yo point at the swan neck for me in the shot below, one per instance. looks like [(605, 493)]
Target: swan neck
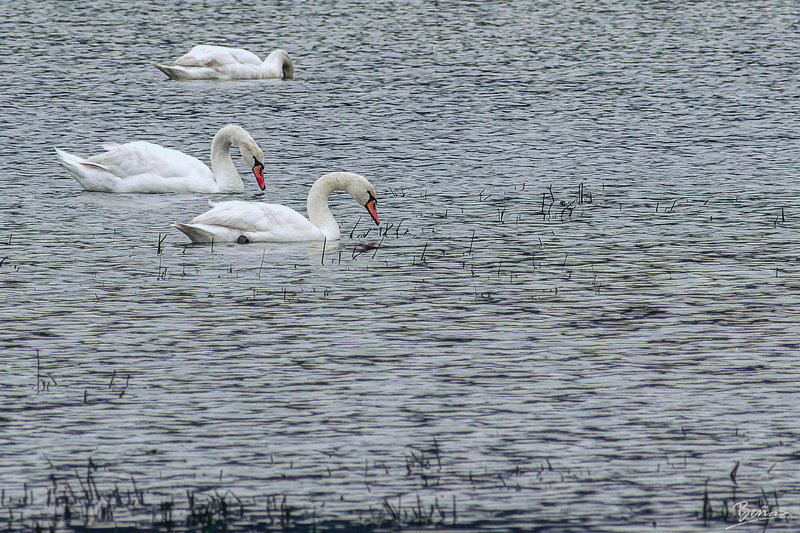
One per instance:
[(319, 213), (280, 61), (225, 173)]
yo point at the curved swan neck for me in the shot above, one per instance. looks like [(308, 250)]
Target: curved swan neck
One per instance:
[(279, 59), (319, 213), (225, 173)]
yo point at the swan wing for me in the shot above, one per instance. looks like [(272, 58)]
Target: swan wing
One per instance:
[(259, 222), (213, 57), (141, 157)]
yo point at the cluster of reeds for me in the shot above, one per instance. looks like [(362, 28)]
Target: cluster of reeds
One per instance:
[(76, 501), (563, 207)]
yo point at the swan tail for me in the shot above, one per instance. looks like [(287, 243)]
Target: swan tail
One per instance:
[(92, 176), (195, 232)]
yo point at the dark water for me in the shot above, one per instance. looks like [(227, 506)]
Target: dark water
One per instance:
[(584, 294)]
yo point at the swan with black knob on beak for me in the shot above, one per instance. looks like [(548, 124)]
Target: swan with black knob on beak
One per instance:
[(242, 222), (147, 167)]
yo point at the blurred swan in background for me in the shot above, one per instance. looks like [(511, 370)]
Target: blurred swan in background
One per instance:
[(209, 62)]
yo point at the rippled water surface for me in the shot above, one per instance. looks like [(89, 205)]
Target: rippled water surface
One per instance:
[(580, 310)]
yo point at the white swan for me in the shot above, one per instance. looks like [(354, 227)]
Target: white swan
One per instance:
[(146, 167), (243, 222), (208, 62)]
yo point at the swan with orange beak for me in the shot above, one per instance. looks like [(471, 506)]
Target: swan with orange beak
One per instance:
[(242, 222)]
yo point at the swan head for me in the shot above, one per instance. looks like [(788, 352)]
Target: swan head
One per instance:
[(254, 157), (372, 208), (281, 57), (233, 135), (362, 192)]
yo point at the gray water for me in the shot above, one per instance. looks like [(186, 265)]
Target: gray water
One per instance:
[(583, 295)]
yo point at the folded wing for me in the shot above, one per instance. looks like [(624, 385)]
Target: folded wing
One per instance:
[(204, 55)]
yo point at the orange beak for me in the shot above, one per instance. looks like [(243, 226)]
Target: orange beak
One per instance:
[(258, 170), (372, 207)]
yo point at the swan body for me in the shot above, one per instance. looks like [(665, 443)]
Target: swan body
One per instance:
[(209, 62), (238, 221), (150, 168)]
